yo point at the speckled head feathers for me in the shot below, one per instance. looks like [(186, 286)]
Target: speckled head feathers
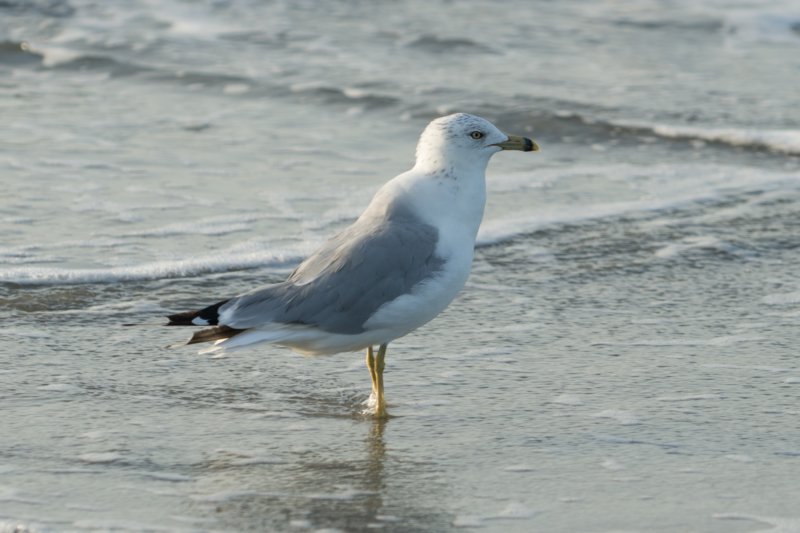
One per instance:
[(456, 140)]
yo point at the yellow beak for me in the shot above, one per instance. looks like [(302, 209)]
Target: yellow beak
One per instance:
[(515, 142)]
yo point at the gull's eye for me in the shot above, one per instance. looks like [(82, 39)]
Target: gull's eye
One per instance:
[(477, 135)]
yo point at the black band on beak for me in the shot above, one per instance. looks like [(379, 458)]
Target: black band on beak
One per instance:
[(516, 142), (528, 145)]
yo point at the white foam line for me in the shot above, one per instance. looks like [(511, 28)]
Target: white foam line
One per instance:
[(786, 141), (497, 231), (148, 271), (670, 191)]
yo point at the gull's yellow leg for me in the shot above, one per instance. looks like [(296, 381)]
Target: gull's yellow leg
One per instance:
[(380, 364), (372, 374)]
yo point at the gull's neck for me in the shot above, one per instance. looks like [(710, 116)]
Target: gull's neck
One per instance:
[(435, 160), (451, 196)]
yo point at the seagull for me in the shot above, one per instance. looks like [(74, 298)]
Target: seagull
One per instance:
[(394, 269)]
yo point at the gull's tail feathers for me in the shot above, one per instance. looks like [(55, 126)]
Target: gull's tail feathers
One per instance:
[(303, 339), (217, 333), (246, 337)]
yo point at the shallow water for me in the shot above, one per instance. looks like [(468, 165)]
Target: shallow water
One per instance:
[(623, 358)]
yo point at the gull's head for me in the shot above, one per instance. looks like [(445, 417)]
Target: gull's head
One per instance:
[(465, 141)]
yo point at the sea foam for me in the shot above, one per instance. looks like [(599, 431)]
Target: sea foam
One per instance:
[(782, 141), (179, 268)]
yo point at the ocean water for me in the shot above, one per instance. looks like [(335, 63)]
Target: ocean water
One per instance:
[(624, 357)]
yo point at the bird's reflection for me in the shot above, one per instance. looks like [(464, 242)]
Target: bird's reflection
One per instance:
[(330, 481), (333, 482), (374, 481)]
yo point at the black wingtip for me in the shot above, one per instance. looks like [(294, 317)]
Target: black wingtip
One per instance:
[(182, 319), (210, 315)]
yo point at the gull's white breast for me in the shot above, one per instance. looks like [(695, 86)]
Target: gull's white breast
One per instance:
[(455, 208)]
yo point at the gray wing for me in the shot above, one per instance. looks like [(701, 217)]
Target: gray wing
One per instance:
[(342, 285)]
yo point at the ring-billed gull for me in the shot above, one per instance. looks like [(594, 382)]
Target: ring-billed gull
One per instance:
[(393, 270)]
